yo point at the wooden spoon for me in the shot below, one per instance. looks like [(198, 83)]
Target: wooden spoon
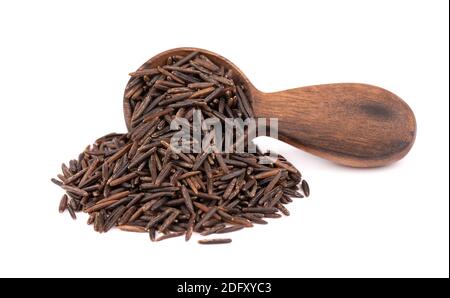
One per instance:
[(351, 124)]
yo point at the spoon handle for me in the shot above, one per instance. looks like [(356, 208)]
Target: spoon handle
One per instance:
[(355, 125)]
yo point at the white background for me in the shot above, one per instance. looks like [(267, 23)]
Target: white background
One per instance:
[(63, 68)]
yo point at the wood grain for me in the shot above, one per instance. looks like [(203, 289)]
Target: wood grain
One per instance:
[(351, 124), (355, 125)]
